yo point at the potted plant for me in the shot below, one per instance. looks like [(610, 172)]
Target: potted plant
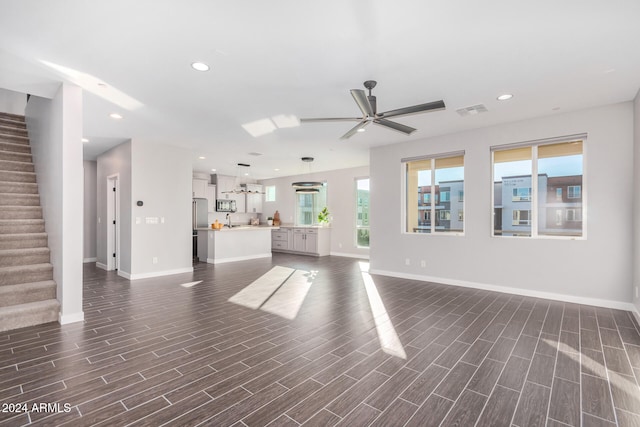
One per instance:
[(270, 221), (323, 216)]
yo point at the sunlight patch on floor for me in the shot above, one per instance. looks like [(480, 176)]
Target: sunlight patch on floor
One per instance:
[(387, 335), (191, 284), (280, 291)]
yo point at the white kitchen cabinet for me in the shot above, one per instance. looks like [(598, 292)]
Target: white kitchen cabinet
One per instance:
[(199, 188), (211, 198), (254, 201), (224, 184), (302, 240)]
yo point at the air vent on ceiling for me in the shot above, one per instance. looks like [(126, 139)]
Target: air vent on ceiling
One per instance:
[(253, 153), (472, 110)]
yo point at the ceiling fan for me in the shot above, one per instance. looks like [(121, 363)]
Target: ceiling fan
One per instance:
[(368, 106)]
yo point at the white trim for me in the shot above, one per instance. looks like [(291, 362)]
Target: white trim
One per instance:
[(619, 305), (348, 255), (65, 319), (86, 260), (154, 274), (101, 266), (238, 258)]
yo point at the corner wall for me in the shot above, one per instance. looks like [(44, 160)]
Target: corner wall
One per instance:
[(597, 270), (341, 201), (90, 176), (55, 131), (635, 291)]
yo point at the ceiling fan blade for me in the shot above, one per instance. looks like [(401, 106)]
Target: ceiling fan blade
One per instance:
[(355, 129), (332, 119), (363, 102), (430, 106), (407, 130)]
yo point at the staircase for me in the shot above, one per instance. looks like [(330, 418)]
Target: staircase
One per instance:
[(27, 289)]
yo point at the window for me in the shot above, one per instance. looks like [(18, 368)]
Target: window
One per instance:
[(309, 205), (521, 194), (362, 212), (528, 207), (574, 192), (461, 196), (270, 193), (521, 217), (460, 215), (433, 179)]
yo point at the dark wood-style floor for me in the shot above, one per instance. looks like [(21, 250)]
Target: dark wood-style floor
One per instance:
[(153, 352)]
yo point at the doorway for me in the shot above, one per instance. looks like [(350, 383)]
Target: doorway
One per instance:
[(113, 222)]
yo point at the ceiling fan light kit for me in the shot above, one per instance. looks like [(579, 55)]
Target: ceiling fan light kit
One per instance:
[(368, 105)]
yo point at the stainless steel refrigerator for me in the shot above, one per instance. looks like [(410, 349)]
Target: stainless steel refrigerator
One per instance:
[(199, 219)]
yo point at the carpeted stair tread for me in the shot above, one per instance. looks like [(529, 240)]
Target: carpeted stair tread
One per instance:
[(16, 139), (7, 176), (15, 156), (12, 122), (10, 146), (17, 187), (17, 274), (13, 165), (18, 199), (12, 130), (27, 292), (16, 226), (11, 116), (20, 212), (24, 256), (29, 314), (23, 240)]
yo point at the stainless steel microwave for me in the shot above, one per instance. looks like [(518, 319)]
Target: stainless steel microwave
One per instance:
[(223, 205)]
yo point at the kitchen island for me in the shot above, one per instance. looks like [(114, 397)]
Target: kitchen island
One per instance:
[(238, 243)]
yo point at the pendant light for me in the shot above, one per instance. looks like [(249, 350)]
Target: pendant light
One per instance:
[(242, 188), (307, 187)]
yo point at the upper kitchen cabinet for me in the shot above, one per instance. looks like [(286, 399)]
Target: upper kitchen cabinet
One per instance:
[(211, 198), (199, 188), (254, 201), (224, 184)]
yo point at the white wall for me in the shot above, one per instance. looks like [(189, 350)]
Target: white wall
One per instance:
[(636, 207), (597, 270), (341, 201), (90, 213), (55, 130), (161, 179), (12, 102), (112, 162)]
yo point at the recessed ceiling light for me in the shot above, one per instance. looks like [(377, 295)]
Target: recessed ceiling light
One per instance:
[(361, 130), (504, 97), (276, 169), (246, 174), (213, 170), (115, 116), (199, 66), (202, 157), (85, 140)]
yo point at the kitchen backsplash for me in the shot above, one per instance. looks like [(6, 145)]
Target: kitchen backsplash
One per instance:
[(236, 218)]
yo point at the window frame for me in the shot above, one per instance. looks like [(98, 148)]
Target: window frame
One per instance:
[(432, 210), (534, 144), (357, 227)]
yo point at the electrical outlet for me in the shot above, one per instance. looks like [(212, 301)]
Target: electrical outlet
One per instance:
[(423, 263), (155, 259), (407, 261), (340, 245)]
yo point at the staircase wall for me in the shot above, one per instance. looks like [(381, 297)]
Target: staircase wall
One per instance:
[(55, 130)]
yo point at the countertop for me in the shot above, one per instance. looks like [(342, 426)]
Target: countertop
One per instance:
[(241, 228)]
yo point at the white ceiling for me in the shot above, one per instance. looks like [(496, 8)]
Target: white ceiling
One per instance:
[(300, 57)]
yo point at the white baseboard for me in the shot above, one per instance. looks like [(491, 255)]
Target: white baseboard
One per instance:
[(102, 266), (239, 258), (65, 319), (619, 305), (86, 260), (154, 274), (348, 255)]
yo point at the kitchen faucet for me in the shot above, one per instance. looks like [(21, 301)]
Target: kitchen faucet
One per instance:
[(229, 218)]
